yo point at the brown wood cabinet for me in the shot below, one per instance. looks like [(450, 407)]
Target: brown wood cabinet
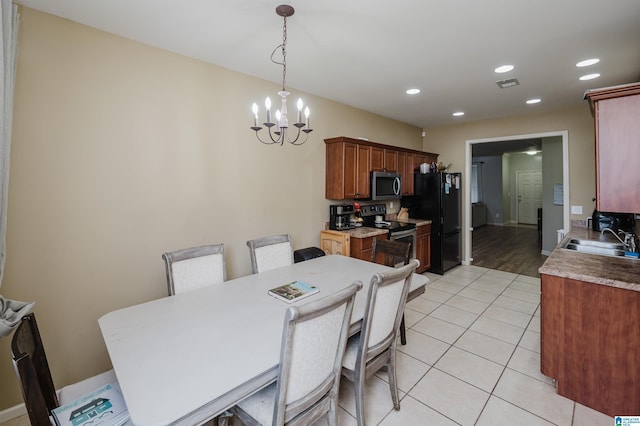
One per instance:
[(384, 159), (616, 112), (423, 247), (362, 248), (590, 343), (349, 163), (347, 171)]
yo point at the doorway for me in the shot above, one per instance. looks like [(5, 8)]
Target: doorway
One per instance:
[(548, 231)]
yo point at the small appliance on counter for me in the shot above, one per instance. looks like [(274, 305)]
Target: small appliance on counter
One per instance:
[(615, 221), (340, 217)]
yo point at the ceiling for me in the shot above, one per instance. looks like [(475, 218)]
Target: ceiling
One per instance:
[(366, 53)]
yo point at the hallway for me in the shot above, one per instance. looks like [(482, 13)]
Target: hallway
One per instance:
[(507, 248)]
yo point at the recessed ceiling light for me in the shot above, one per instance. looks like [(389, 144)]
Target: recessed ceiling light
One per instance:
[(587, 62), (534, 101), (413, 91), (589, 76), (458, 114), (503, 68)]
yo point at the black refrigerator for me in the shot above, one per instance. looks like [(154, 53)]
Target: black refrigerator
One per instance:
[(438, 198)]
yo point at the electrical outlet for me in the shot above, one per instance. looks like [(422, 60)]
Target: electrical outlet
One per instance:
[(391, 204), (576, 209)]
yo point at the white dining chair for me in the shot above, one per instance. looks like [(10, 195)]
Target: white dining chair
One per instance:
[(270, 252), (313, 342), (195, 267), (375, 345)]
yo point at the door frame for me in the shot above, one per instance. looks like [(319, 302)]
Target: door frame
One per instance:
[(467, 259)]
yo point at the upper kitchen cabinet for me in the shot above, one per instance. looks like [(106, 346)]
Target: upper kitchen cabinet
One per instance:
[(347, 170), (616, 112), (384, 159), (351, 161)]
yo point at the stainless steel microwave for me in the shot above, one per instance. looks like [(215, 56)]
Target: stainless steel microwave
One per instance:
[(386, 186)]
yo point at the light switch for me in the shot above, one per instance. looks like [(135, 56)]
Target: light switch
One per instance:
[(576, 209)]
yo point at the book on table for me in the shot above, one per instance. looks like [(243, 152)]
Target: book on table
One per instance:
[(105, 407), (293, 291)]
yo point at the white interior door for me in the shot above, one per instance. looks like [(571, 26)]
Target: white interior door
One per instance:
[(529, 195)]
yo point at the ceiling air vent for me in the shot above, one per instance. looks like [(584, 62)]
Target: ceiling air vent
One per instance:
[(509, 82)]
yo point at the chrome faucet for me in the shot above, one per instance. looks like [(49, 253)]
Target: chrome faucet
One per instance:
[(629, 241)]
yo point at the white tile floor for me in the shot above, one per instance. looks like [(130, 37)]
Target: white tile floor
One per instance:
[(472, 358)]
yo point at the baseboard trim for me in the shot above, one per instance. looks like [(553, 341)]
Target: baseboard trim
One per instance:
[(12, 412)]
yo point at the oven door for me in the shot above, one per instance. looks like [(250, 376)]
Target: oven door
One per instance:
[(407, 236)]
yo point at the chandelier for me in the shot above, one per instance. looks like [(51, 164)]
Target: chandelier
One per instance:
[(280, 134)]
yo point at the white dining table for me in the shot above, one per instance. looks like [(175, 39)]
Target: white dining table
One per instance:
[(187, 358)]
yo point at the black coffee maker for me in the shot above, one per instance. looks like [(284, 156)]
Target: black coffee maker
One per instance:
[(340, 216)]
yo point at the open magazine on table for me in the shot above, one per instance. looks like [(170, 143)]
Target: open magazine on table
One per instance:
[(103, 407), (293, 291)]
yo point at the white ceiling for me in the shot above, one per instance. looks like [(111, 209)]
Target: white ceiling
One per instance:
[(366, 53)]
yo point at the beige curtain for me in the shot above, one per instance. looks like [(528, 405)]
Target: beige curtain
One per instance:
[(9, 30), (10, 310)]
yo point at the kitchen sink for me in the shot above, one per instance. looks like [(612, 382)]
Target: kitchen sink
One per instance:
[(595, 247)]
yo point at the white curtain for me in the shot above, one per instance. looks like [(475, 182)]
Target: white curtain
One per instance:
[(9, 22), (11, 311)]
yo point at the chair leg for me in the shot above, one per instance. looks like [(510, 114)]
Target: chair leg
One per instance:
[(359, 387), (223, 419), (393, 383), (403, 332)]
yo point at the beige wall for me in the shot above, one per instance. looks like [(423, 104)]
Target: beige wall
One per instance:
[(450, 143), (122, 152)]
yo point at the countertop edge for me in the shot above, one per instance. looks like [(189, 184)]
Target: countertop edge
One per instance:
[(604, 270)]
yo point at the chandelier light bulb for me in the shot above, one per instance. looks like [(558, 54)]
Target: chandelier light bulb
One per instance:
[(306, 115), (299, 105), (254, 108), (267, 105)]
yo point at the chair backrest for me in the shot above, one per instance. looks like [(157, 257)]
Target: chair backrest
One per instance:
[(391, 253), (32, 368), (192, 268), (313, 342), (270, 252), (384, 308)]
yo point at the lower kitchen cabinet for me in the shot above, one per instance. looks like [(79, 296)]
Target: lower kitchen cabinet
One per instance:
[(423, 247), (362, 248), (590, 343)]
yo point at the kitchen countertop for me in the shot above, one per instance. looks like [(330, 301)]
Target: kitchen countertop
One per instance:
[(612, 271)]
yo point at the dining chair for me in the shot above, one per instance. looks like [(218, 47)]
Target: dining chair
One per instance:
[(312, 347), (393, 253), (32, 368), (270, 252), (375, 345), (194, 267)]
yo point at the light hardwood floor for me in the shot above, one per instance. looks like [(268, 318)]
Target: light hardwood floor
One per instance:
[(507, 248)]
